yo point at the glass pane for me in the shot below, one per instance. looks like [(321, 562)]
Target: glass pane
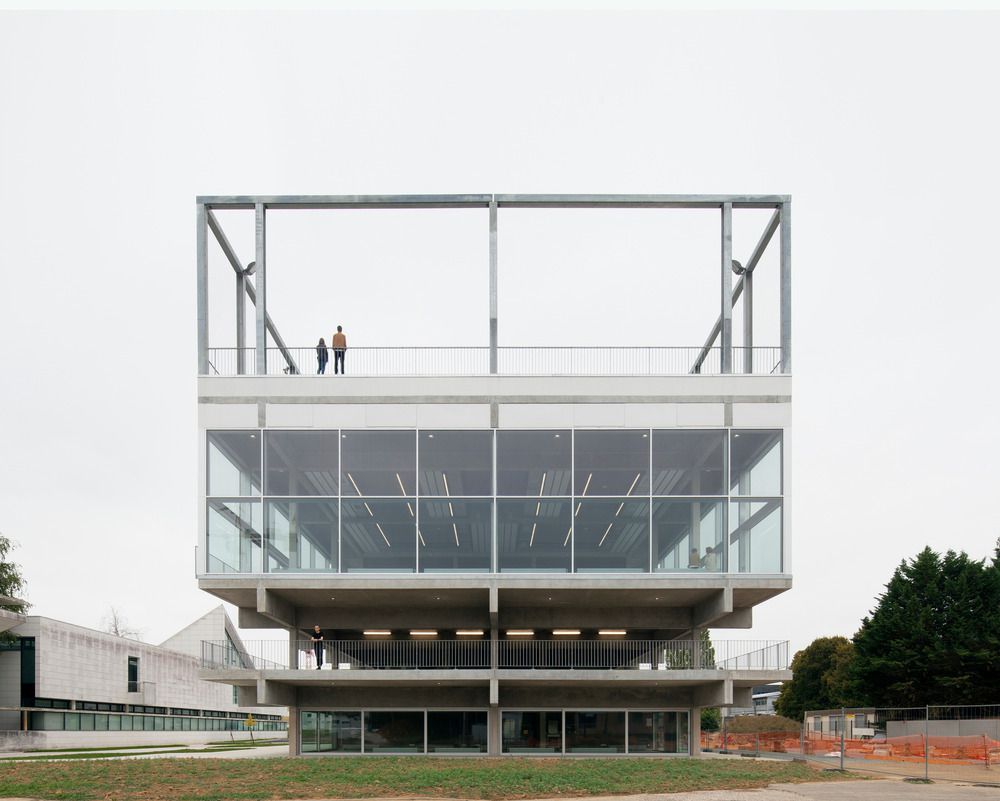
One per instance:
[(378, 536), (534, 462), (456, 535), (756, 463), (233, 463), (340, 731), (527, 732), (534, 535), (612, 535), (612, 462), (235, 536), (394, 732), (307, 732), (689, 462), (595, 732), (301, 462), (689, 535), (657, 732), (302, 536), (456, 463), (378, 463), (456, 732), (755, 536)]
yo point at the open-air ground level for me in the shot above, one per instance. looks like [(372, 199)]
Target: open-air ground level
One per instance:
[(387, 777)]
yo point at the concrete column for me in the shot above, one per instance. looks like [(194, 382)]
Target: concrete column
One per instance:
[(202, 259), (241, 333), (293, 648), (748, 323), (493, 287), (495, 730), (694, 740), (261, 303), (726, 296), (294, 738), (786, 287)]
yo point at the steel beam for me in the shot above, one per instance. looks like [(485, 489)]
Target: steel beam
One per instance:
[(202, 280), (493, 287), (755, 257), (786, 286), (261, 304), (726, 290), (230, 254)]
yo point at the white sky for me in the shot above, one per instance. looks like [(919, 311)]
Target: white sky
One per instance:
[(881, 126)]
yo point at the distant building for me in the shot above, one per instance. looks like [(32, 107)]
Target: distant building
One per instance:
[(762, 700), (63, 685)]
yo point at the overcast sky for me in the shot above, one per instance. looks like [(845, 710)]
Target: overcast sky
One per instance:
[(882, 127)]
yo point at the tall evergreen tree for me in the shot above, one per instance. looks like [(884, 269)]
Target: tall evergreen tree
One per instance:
[(934, 637), (820, 671)]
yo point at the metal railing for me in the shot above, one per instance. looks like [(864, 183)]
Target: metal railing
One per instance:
[(436, 654), (475, 361)]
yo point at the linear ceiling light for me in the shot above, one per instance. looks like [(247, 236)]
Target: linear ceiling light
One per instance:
[(566, 632), (379, 527), (423, 632), (469, 632), (589, 476), (445, 477), (451, 511), (538, 508), (534, 528), (612, 632), (421, 537), (402, 489), (368, 508), (541, 489), (410, 508), (520, 632), (620, 507), (568, 534), (355, 483), (605, 535), (454, 527), (377, 632), (634, 482)]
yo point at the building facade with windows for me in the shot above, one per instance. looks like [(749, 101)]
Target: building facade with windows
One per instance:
[(66, 686), (507, 550)]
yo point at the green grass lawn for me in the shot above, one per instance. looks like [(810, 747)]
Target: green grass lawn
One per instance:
[(355, 777)]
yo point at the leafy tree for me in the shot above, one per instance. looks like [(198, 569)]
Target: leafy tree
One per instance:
[(934, 636), (821, 678), (12, 583), (711, 718)]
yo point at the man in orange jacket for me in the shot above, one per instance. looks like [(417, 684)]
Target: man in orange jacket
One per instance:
[(339, 345)]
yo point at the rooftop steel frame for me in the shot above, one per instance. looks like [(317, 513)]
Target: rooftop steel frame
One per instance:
[(722, 330)]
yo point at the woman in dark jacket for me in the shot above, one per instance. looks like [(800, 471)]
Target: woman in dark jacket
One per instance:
[(322, 356)]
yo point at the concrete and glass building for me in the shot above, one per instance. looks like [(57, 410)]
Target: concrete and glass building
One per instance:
[(508, 550), (67, 686)]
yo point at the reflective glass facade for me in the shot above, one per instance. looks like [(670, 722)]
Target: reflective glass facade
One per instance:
[(484, 501)]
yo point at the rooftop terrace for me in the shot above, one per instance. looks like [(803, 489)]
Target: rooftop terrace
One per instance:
[(723, 352)]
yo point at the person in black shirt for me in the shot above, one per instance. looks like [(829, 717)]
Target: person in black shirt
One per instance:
[(317, 641)]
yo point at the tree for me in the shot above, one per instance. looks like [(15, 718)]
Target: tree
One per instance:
[(115, 622), (12, 583), (934, 635), (711, 718), (820, 680)]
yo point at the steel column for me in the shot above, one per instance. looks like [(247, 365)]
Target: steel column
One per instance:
[(726, 298), (786, 286), (261, 272), (202, 279), (493, 287)]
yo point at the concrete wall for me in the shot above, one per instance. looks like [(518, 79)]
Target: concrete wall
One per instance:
[(25, 740)]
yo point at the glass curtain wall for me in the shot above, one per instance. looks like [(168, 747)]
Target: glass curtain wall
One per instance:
[(559, 501)]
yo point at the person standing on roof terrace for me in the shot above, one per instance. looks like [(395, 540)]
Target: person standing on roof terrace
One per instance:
[(339, 343), (317, 641), (322, 356)]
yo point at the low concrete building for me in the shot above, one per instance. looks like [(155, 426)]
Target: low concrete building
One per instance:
[(63, 685)]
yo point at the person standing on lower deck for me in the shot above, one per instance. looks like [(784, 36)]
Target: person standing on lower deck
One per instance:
[(317, 641), (339, 344), (322, 356)]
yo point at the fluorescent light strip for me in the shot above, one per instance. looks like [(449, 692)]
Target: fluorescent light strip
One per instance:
[(355, 483), (410, 508), (377, 633), (469, 633), (568, 534), (636, 481), (450, 510), (379, 527), (423, 633), (565, 632), (368, 508), (612, 632), (577, 512), (538, 508), (520, 632), (605, 535), (402, 489), (541, 489), (445, 477), (620, 507), (421, 536), (454, 528), (534, 528), (589, 476)]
